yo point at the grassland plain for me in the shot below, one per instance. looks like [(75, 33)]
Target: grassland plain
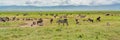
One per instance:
[(84, 31)]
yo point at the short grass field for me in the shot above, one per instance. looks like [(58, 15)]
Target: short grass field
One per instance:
[(12, 30)]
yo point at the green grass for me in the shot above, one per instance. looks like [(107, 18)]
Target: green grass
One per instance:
[(61, 33), (84, 31)]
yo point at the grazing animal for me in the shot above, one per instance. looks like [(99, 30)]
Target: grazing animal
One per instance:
[(90, 20), (55, 15), (40, 22), (64, 21), (2, 20), (99, 18), (23, 19), (51, 20), (33, 23), (13, 18), (6, 18), (77, 22), (107, 14)]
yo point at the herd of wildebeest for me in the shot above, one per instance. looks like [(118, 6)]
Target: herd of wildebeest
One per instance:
[(62, 19)]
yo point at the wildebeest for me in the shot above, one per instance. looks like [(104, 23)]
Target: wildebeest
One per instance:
[(55, 15), (40, 22), (4, 19), (99, 18), (7, 18), (51, 20), (63, 21), (76, 20), (13, 18), (33, 23), (107, 14), (90, 20)]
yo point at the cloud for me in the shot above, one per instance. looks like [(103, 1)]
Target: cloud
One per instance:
[(58, 2)]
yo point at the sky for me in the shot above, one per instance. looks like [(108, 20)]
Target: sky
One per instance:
[(68, 3)]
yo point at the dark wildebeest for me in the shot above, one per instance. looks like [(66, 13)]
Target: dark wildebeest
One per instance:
[(23, 19), (40, 22), (14, 18), (51, 20), (6, 18), (55, 15), (77, 22), (90, 20), (99, 18), (33, 23), (2, 20), (64, 21), (107, 14)]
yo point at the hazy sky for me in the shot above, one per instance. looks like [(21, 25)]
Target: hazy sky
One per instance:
[(58, 2)]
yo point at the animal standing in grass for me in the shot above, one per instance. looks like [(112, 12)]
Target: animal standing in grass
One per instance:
[(98, 19), (40, 22), (63, 21)]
